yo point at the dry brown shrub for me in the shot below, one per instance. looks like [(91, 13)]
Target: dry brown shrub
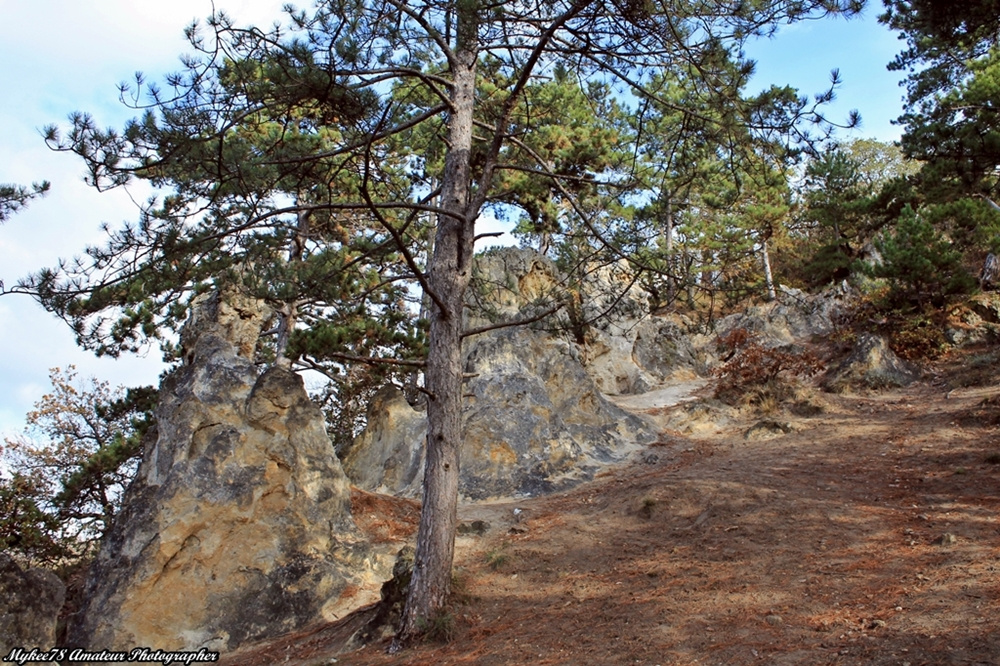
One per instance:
[(754, 374)]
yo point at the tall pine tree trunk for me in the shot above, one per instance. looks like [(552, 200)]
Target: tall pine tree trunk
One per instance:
[(449, 273), (669, 232), (290, 310), (768, 276)]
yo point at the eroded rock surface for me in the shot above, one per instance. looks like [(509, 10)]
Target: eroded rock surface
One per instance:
[(795, 316), (534, 422), (606, 317), (29, 607), (237, 527), (872, 365)]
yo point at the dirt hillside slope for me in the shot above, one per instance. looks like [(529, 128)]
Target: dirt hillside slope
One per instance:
[(869, 534)]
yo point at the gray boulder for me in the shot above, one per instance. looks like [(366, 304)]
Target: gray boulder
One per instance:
[(29, 607), (794, 316), (872, 365), (238, 526), (534, 422)]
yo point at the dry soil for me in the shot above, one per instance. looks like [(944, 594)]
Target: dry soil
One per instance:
[(869, 534)]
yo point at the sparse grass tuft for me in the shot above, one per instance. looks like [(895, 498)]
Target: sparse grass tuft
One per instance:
[(646, 510), (496, 559), (439, 628)]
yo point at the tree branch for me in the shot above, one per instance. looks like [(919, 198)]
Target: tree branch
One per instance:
[(520, 322)]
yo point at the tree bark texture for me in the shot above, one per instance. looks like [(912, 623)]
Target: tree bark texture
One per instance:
[(449, 273), (768, 277)]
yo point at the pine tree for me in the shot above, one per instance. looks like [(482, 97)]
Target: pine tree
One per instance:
[(265, 127), (79, 452), (951, 121), (922, 265), (15, 197)]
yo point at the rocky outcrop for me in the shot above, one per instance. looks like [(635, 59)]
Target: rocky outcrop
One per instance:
[(534, 422), (794, 316), (976, 321), (29, 607), (631, 356), (387, 456), (623, 348), (237, 527), (872, 365), (510, 283), (987, 306)]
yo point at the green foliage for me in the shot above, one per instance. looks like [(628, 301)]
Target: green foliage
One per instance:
[(922, 266), (346, 397), (15, 197), (973, 225), (878, 163), (250, 206), (80, 451), (912, 333), (951, 123), (26, 530), (718, 184), (574, 131), (304, 169), (847, 194)]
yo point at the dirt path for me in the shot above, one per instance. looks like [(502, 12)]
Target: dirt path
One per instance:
[(661, 396), (868, 535)]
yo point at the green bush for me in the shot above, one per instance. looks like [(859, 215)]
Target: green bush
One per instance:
[(922, 266)]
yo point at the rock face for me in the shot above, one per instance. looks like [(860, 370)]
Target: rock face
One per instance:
[(387, 456), (794, 316), (508, 282), (29, 607), (534, 422), (872, 365), (987, 306), (631, 356), (624, 349), (237, 527)]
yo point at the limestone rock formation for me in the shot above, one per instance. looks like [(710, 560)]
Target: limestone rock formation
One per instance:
[(509, 282), (987, 306), (534, 422), (29, 607), (387, 456), (626, 350), (794, 316), (622, 347), (630, 356), (871, 366), (237, 527)]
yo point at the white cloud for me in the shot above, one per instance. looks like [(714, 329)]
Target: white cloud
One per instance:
[(62, 56)]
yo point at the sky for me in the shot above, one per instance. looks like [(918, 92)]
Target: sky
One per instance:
[(61, 56)]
